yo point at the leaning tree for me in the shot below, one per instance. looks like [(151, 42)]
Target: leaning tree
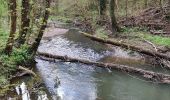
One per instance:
[(13, 17)]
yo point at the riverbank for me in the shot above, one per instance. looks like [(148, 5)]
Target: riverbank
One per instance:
[(9, 65), (137, 36), (76, 78), (133, 36)]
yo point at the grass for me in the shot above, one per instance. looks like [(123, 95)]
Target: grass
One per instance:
[(3, 8), (159, 40), (142, 33)]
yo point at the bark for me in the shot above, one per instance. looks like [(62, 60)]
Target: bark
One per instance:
[(126, 8), (25, 22), (102, 6), (146, 3), (117, 5), (156, 77), (115, 27), (127, 46), (13, 15), (35, 45)]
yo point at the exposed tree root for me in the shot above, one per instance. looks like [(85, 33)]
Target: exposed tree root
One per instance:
[(127, 46), (156, 77)]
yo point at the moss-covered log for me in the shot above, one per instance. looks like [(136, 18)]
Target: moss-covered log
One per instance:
[(127, 46), (156, 77)]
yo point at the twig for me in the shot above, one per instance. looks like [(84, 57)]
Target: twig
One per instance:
[(27, 70), (152, 45)]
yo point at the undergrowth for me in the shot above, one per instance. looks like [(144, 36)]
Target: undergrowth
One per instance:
[(9, 64), (143, 34)]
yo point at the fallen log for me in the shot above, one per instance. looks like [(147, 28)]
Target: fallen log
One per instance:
[(127, 46), (156, 77)]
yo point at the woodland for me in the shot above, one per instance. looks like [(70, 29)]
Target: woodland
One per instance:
[(36, 32)]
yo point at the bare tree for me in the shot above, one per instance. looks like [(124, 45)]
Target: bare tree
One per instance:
[(13, 17), (146, 3), (115, 27), (102, 6)]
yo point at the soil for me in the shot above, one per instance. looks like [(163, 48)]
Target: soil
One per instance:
[(153, 18)]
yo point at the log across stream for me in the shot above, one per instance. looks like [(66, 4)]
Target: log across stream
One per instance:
[(127, 46), (157, 77)]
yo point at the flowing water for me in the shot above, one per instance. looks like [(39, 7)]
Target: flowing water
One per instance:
[(76, 81)]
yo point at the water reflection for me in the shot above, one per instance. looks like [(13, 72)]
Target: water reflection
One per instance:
[(81, 82)]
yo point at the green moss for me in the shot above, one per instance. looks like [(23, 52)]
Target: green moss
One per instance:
[(142, 33), (165, 41)]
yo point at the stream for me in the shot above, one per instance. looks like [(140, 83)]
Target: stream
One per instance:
[(76, 81)]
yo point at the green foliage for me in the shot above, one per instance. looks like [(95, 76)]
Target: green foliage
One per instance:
[(8, 64), (3, 8), (19, 56), (142, 33), (3, 81), (3, 38), (165, 41)]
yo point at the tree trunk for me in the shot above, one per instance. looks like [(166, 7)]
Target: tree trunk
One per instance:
[(126, 8), (115, 27), (35, 45), (156, 77), (57, 6), (160, 3), (117, 5), (13, 15), (102, 6), (25, 22), (146, 3)]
